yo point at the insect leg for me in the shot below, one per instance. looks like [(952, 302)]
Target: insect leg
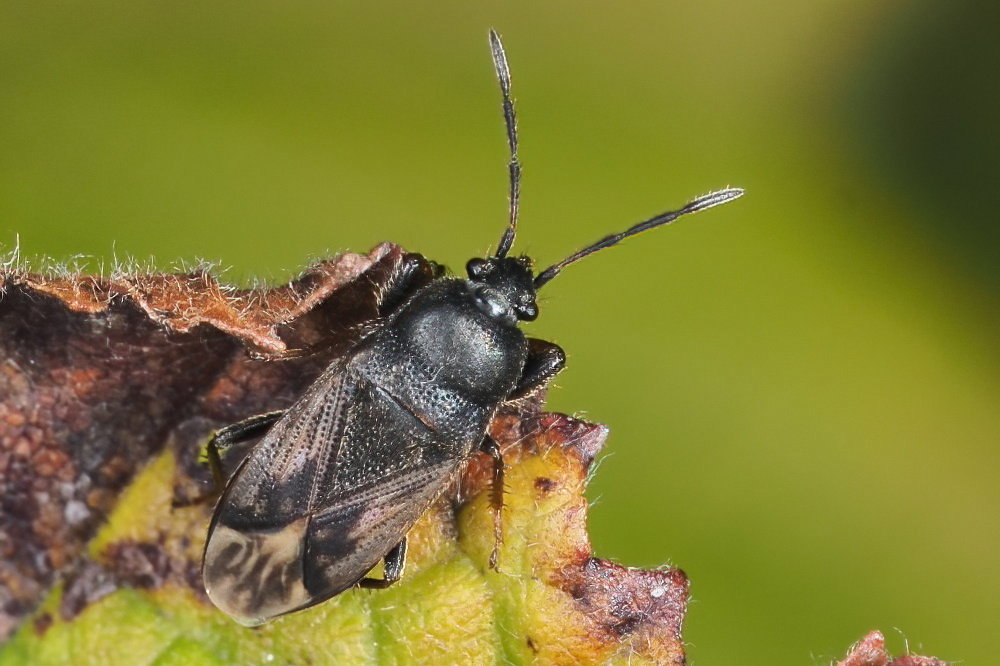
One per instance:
[(223, 440), (545, 360), (409, 274), (496, 499), (394, 560)]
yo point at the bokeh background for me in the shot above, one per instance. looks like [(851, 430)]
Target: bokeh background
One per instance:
[(802, 386)]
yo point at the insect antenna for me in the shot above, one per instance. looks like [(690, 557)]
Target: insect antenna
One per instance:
[(513, 165), (701, 203)]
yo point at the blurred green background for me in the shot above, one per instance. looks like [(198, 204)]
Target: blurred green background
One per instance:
[(802, 386)]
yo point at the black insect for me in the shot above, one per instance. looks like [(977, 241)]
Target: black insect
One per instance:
[(340, 477)]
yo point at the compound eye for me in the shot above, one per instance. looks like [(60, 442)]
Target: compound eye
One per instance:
[(528, 311), (477, 268)]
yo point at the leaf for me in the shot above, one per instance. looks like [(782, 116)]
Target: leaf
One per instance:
[(870, 651), (110, 389)]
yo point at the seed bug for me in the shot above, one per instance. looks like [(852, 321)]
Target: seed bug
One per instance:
[(338, 479)]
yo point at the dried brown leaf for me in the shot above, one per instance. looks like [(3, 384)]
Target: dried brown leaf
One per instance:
[(870, 651)]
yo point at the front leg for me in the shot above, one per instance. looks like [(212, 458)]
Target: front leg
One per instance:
[(410, 274), (545, 360)]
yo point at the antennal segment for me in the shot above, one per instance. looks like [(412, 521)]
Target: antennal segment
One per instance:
[(513, 166), (701, 203)]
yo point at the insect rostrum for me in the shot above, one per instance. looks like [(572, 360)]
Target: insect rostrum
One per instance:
[(338, 479)]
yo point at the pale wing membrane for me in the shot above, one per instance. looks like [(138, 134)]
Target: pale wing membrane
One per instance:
[(254, 575)]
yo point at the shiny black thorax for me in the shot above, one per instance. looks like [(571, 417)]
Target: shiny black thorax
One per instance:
[(438, 345)]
